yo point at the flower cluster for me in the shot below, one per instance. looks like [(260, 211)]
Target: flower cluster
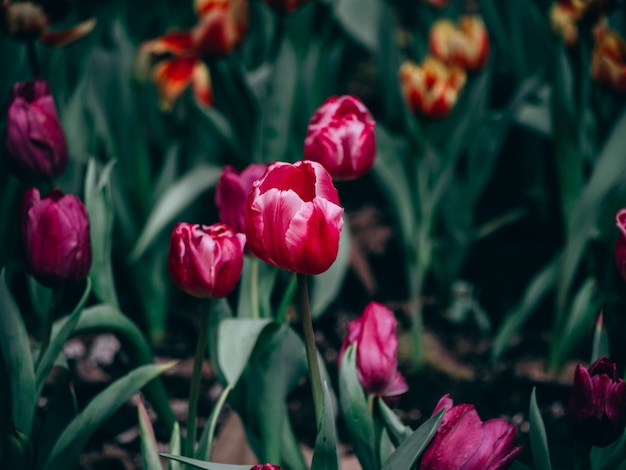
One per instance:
[(221, 26), (433, 87)]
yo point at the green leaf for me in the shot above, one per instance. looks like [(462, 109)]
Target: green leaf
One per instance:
[(17, 358), (57, 341), (356, 412), (175, 448), (263, 275), (149, 453), (600, 341), (205, 445), (78, 432), (541, 284), (397, 430), (325, 453), (325, 287), (360, 19), (538, 440), (206, 465), (173, 201), (412, 448), (105, 318), (99, 205), (236, 339)]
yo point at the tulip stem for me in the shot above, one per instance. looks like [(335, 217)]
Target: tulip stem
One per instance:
[(309, 343), (254, 287), (46, 330), (33, 59), (194, 390), (583, 461)]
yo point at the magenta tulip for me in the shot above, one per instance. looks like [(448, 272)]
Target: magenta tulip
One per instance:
[(597, 409), (341, 137), (267, 466), (464, 442), (231, 194), (293, 217), (374, 333), (206, 261), (55, 235), (620, 244), (34, 141)]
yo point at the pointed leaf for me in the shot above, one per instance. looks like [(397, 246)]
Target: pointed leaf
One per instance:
[(360, 19), (206, 465), (397, 430), (205, 444), (325, 453), (175, 448), (538, 440), (600, 341), (149, 453)]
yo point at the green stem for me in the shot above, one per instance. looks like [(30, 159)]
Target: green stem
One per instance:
[(196, 376), (254, 287), (33, 59), (286, 300), (416, 279), (46, 330), (582, 462), (309, 343)]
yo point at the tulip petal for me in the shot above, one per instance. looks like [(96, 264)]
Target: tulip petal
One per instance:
[(171, 77), (201, 84), (67, 36)]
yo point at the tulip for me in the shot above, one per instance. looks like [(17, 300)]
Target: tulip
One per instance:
[(267, 466), (231, 194), (608, 61), (597, 408), (463, 441), (293, 219), (34, 141), (374, 333), (620, 243), (55, 236), (206, 261), (285, 6), (465, 45), (564, 19), (431, 88), (221, 27), (341, 137)]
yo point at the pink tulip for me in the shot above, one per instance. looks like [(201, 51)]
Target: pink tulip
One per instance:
[(267, 466), (55, 235), (206, 261), (464, 442), (293, 217), (34, 141), (341, 137), (231, 194), (374, 332)]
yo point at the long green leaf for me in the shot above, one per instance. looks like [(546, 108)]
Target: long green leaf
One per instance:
[(178, 196), (17, 359), (538, 440), (600, 341), (205, 443), (57, 341), (206, 465), (412, 448), (396, 429), (175, 448), (149, 453), (360, 19), (78, 432), (325, 453)]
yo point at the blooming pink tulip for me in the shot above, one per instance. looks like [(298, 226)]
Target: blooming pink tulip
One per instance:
[(34, 141), (231, 194), (463, 441), (597, 409), (206, 261), (55, 235), (341, 137), (620, 244), (293, 217), (267, 466), (374, 332)]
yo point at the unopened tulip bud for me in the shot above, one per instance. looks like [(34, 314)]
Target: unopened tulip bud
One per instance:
[(206, 261), (55, 236), (463, 441), (231, 194), (374, 333), (34, 141), (597, 408), (341, 137), (293, 217)]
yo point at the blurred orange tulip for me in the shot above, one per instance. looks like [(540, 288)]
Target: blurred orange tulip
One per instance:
[(465, 45), (566, 14), (608, 62), (431, 88)]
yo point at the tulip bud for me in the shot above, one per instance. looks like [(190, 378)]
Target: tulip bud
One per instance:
[(231, 194), (466, 46), (608, 61), (285, 6), (431, 88), (341, 137), (55, 235), (206, 261), (597, 408), (620, 243), (463, 441), (293, 218), (222, 26), (374, 332), (34, 141), (267, 466)]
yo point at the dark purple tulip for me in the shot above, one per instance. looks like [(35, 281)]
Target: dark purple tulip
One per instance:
[(34, 141), (620, 243), (597, 409), (55, 235), (464, 442)]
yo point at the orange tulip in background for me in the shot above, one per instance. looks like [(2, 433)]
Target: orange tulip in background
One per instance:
[(566, 14), (608, 62), (431, 88), (465, 45), (221, 27)]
